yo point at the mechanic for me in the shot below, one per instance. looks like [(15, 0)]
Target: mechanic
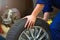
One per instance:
[(46, 6)]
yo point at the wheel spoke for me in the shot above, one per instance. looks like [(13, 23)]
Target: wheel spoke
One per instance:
[(27, 35), (39, 33), (21, 38), (31, 31), (43, 35), (35, 32)]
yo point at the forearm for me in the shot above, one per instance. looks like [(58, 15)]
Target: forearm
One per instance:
[(46, 16), (37, 9)]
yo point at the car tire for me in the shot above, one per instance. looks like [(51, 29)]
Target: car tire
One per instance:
[(18, 28)]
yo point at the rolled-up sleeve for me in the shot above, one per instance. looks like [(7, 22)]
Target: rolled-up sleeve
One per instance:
[(41, 1), (48, 5), (47, 8)]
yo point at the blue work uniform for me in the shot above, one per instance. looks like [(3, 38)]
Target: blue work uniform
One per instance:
[(55, 26)]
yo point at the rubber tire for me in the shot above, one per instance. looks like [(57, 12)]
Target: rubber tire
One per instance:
[(18, 28)]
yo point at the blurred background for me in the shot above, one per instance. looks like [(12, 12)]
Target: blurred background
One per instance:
[(21, 7)]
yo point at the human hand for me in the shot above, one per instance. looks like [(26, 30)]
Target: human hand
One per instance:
[(30, 21)]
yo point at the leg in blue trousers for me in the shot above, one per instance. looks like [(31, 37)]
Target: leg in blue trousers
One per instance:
[(55, 27)]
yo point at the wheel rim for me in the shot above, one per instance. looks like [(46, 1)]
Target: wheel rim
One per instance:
[(36, 33)]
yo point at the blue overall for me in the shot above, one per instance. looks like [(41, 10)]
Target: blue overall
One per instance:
[(55, 26)]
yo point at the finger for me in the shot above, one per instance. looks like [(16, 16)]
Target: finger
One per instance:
[(24, 17), (32, 25), (26, 24), (29, 25)]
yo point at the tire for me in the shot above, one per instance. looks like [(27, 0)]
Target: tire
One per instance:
[(18, 28)]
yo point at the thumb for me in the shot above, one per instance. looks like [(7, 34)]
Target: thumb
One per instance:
[(24, 17)]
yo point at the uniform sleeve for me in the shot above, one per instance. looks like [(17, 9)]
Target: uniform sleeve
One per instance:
[(42, 1), (47, 8), (48, 5)]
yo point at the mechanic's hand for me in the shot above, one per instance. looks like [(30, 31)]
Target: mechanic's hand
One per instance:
[(30, 21), (45, 19)]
